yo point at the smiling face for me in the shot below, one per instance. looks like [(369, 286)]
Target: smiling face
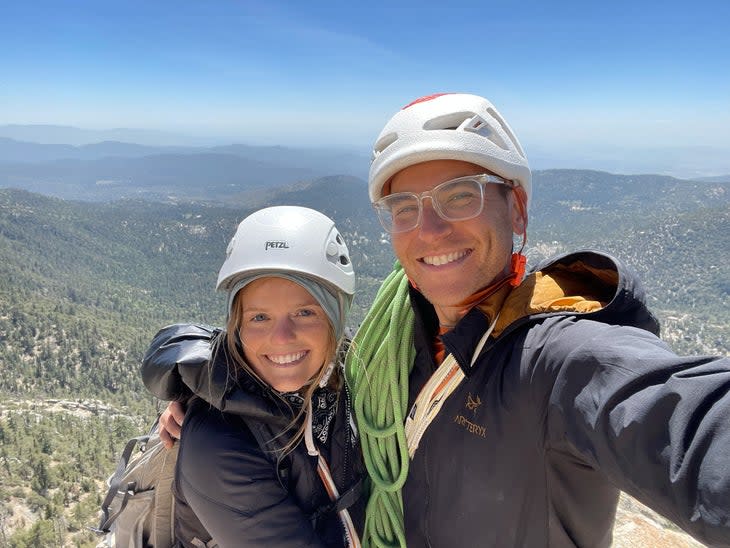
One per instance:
[(450, 261), (285, 332)]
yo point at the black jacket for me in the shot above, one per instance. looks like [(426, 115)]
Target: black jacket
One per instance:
[(231, 474), (561, 411)]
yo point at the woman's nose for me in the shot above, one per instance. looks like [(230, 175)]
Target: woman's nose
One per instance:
[(284, 330)]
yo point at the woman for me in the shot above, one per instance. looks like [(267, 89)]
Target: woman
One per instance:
[(268, 454)]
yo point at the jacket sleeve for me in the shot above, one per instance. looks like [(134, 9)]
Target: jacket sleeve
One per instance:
[(657, 425), (175, 359), (232, 486)]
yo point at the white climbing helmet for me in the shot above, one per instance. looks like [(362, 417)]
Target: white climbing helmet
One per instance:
[(450, 126), (289, 240)]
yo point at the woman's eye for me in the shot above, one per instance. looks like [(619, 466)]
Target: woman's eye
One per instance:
[(305, 312), (258, 318)]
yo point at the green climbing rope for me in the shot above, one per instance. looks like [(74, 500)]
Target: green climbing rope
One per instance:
[(377, 366)]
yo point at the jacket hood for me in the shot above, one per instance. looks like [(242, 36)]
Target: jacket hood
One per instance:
[(587, 283)]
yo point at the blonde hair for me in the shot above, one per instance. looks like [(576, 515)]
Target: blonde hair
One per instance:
[(236, 363)]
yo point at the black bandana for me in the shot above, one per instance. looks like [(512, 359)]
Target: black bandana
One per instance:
[(324, 407)]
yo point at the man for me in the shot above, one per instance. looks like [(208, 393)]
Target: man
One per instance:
[(570, 397), (497, 411)]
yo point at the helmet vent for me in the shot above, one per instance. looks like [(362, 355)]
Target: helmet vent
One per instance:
[(384, 142), (507, 130), (344, 261), (448, 121), (480, 126)]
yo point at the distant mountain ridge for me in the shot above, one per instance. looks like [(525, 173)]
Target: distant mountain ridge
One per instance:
[(15, 151), (18, 151), (113, 170), (715, 179), (686, 161), (55, 134)]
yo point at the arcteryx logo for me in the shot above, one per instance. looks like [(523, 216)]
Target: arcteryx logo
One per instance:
[(276, 245), (472, 404)]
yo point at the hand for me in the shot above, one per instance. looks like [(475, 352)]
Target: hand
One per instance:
[(170, 423)]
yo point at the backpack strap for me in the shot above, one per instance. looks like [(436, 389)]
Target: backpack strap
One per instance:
[(200, 544), (115, 486), (432, 396), (163, 530)]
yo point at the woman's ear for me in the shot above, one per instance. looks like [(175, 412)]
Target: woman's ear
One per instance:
[(519, 210)]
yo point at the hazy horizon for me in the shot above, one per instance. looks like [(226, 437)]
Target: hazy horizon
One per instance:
[(683, 163), (623, 86)]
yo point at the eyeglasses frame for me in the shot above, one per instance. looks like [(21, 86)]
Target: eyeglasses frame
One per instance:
[(483, 179)]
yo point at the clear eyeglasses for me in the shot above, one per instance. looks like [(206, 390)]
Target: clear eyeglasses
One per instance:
[(455, 200)]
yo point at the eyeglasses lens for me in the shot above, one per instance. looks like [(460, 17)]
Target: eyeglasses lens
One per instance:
[(453, 201)]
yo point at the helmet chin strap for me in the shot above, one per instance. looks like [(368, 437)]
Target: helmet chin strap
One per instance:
[(518, 262)]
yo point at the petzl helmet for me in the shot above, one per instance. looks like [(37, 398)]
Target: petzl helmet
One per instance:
[(450, 126), (290, 241)]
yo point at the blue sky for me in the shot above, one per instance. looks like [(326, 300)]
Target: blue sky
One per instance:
[(574, 79)]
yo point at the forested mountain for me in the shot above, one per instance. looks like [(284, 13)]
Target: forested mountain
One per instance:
[(674, 233), (106, 276), (84, 286)]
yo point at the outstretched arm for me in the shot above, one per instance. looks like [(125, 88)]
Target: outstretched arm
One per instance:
[(653, 422)]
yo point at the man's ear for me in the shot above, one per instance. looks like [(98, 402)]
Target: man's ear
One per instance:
[(519, 210)]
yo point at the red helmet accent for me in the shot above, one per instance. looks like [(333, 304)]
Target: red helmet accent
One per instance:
[(426, 98)]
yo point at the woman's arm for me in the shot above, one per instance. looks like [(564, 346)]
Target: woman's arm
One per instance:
[(174, 356)]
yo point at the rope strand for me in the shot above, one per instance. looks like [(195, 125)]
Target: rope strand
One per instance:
[(377, 367)]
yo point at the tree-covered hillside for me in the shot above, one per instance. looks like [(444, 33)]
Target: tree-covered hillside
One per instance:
[(674, 233), (84, 286)]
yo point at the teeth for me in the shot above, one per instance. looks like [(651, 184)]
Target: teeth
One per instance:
[(286, 358), (438, 260)]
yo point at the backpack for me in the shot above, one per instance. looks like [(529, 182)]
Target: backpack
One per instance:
[(138, 510)]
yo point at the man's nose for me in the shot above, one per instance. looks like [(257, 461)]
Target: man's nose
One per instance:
[(432, 226)]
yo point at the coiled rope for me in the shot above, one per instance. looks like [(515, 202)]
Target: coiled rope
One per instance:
[(377, 366)]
